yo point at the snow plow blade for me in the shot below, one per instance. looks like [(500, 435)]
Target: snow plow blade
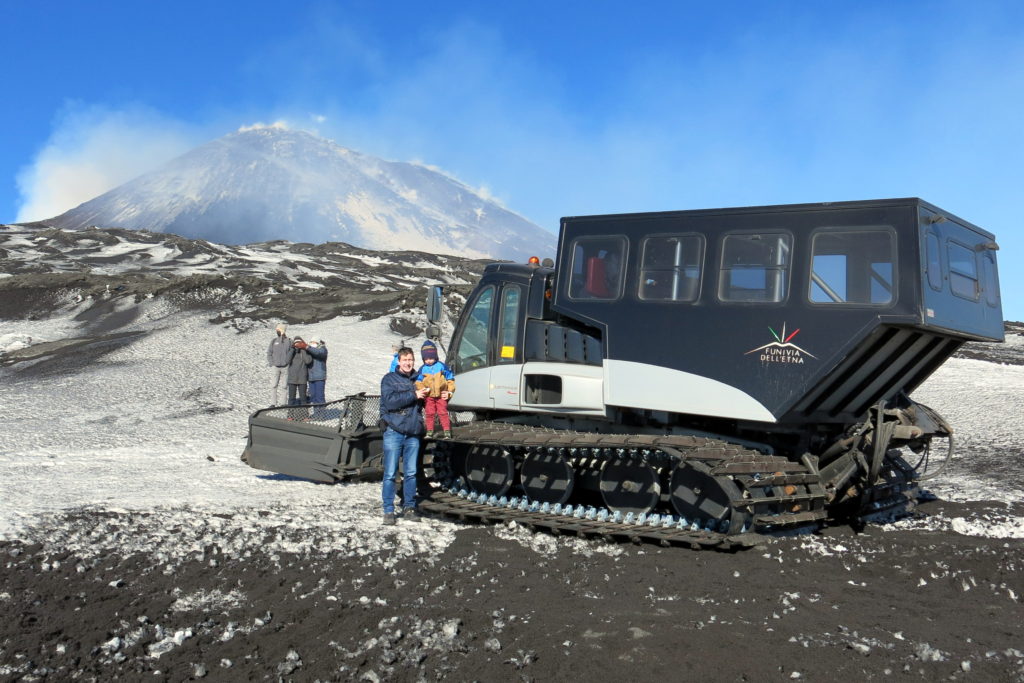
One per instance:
[(328, 442)]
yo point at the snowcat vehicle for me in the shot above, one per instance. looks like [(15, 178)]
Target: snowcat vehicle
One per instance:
[(699, 376)]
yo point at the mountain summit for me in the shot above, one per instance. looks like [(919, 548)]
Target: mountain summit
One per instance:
[(272, 183)]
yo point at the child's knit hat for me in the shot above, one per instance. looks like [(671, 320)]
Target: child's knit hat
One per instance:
[(428, 350)]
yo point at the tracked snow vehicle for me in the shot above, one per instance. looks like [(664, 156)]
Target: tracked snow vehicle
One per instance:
[(708, 372)]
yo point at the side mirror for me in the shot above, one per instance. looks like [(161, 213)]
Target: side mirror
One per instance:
[(435, 298)]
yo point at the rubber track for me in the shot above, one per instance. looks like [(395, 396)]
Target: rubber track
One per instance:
[(750, 469), (444, 503)]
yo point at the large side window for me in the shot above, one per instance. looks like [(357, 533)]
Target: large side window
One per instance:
[(670, 268), (853, 267), (754, 267), (963, 271), (509, 332), (471, 351), (597, 265)]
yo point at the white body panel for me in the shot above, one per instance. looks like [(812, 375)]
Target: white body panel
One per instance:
[(502, 387), (472, 390), (587, 389), (582, 388), (638, 385), (506, 386)]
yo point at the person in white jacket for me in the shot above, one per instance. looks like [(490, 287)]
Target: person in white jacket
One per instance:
[(277, 359)]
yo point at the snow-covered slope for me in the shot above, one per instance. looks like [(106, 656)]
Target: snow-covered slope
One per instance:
[(158, 424), (116, 269), (272, 183), (130, 361)]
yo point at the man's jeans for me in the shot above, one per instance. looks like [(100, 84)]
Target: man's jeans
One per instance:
[(398, 445)]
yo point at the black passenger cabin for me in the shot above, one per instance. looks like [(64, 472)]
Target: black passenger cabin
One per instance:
[(791, 314)]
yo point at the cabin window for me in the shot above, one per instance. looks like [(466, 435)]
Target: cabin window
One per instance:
[(509, 332), (853, 267), (597, 265), (755, 268), (963, 271), (670, 268), (934, 264), (990, 275), (472, 347)]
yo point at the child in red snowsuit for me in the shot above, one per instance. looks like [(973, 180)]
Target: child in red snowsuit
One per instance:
[(435, 376)]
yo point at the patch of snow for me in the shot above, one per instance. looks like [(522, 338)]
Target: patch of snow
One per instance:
[(547, 545), (1006, 528), (209, 601)]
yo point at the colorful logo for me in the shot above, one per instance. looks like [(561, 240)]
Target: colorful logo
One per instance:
[(782, 350)]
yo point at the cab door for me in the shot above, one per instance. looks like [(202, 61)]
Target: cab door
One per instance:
[(471, 351), (507, 370), (486, 355), (960, 280)]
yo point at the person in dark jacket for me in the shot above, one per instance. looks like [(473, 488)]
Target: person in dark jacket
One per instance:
[(299, 361), (317, 371), (277, 361), (401, 412)]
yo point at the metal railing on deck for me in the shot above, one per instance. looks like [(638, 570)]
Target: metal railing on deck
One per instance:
[(350, 414), (347, 415)]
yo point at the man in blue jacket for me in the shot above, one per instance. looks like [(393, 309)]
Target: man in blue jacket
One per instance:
[(401, 411), (317, 371)]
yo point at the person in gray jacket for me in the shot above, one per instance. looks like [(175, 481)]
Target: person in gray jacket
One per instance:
[(298, 376), (299, 361), (278, 356)]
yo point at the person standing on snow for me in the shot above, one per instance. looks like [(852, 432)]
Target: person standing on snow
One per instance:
[(299, 361), (318, 371), (278, 357), (400, 411)]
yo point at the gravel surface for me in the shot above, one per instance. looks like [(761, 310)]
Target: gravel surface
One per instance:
[(502, 603)]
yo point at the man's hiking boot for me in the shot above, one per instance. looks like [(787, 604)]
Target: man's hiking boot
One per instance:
[(389, 519), (411, 515)]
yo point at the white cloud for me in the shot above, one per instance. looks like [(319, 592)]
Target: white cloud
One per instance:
[(485, 192), (93, 150)]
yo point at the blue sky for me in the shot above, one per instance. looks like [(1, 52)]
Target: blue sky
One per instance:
[(555, 108)]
